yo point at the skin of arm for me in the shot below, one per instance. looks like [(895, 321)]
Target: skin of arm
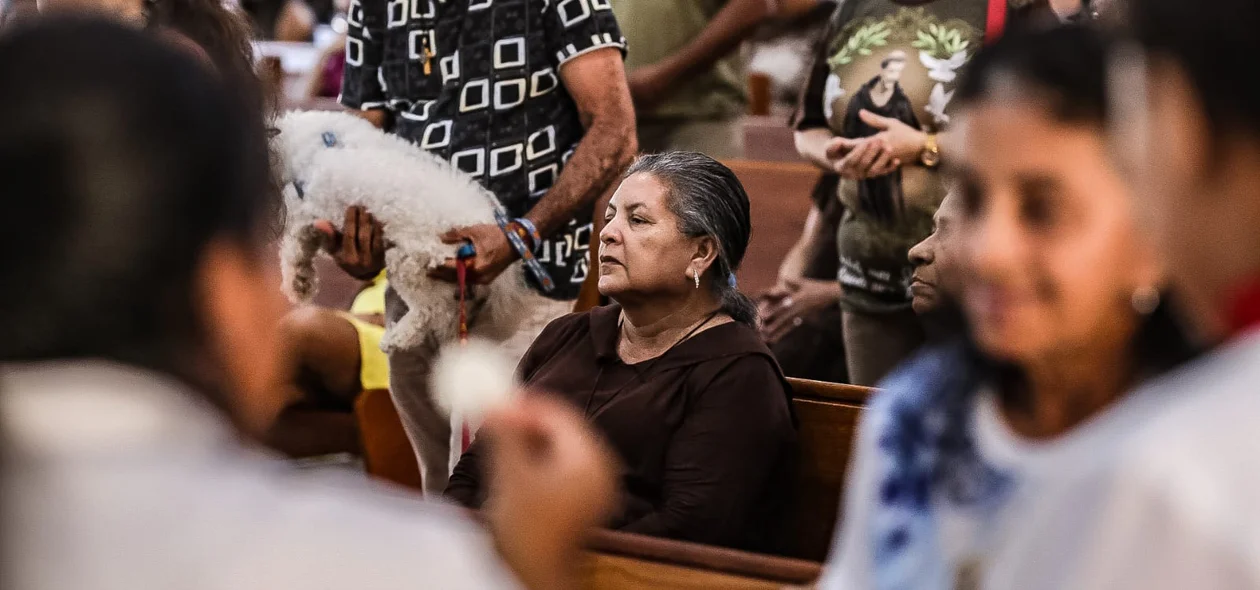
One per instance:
[(812, 144), (793, 295), (596, 81), (805, 248)]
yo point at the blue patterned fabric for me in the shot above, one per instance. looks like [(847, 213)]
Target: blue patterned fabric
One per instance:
[(926, 456)]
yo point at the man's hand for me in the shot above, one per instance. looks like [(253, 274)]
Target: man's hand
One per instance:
[(551, 480), (359, 246), (649, 85), (879, 154), (785, 306), (494, 253)]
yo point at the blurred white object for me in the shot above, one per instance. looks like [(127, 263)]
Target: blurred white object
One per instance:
[(118, 479), (340, 25), (784, 61), (472, 379), (1157, 492), (295, 58), (326, 35)]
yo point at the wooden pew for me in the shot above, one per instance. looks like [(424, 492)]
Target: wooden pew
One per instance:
[(387, 452), (779, 200), (828, 414), (626, 561)]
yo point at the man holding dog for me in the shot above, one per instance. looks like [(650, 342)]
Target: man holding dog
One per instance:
[(527, 96)]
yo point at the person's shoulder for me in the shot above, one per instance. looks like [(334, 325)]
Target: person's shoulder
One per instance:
[(386, 536), (923, 398), (736, 346), (580, 322), (1200, 443), (925, 376)]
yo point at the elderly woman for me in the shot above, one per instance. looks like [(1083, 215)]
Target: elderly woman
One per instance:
[(673, 373)]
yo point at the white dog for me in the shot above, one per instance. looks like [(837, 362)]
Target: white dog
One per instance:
[(330, 161)]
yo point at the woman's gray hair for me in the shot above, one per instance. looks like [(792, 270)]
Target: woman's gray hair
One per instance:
[(709, 201)]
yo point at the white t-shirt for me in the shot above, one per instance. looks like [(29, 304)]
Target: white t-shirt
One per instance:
[(115, 479), (1160, 491)]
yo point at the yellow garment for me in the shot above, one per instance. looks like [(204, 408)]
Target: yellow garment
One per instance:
[(373, 364), (371, 301)]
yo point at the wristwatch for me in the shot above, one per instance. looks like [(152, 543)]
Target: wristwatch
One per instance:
[(931, 154)]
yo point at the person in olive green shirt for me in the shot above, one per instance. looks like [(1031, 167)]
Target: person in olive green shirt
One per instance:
[(685, 71)]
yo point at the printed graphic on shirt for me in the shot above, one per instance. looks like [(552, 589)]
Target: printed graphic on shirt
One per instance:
[(902, 64), (478, 82), (886, 62)]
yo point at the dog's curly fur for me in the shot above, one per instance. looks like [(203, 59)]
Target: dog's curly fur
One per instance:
[(416, 196)]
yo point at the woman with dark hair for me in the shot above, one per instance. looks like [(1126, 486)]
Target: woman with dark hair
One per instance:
[(674, 373), (990, 461), (138, 343)]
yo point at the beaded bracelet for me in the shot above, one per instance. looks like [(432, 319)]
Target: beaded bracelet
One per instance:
[(527, 255), (532, 229), (521, 231)]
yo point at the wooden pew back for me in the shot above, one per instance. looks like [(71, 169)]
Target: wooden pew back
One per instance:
[(387, 452), (779, 200), (622, 560), (828, 415)]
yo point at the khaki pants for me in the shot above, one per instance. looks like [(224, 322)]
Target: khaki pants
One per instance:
[(434, 436), (875, 343), (717, 138)]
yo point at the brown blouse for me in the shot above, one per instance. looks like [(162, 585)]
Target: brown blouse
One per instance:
[(705, 432)]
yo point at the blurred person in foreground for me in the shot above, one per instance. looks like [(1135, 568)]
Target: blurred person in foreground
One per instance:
[(222, 32), (998, 460), (138, 352), (1187, 127)]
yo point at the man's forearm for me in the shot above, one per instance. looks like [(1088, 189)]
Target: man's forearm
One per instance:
[(805, 249), (603, 154), (729, 27)]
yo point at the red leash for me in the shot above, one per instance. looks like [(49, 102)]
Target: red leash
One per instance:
[(462, 258)]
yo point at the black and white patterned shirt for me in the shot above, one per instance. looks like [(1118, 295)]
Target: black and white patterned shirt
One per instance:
[(477, 82)]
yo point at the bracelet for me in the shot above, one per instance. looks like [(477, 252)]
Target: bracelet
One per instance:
[(521, 232), (527, 255), (532, 229)]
